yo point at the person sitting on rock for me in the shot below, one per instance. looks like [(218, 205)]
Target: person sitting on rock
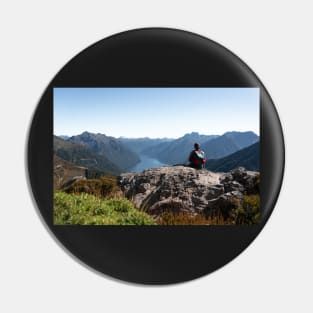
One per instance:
[(197, 157)]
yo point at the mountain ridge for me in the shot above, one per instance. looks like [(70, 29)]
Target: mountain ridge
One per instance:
[(116, 155), (82, 156), (114, 150), (215, 146), (248, 157)]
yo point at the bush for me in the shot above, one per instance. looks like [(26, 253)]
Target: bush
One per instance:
[(85, 209), (184, 218), (104, 187), (249, 211)]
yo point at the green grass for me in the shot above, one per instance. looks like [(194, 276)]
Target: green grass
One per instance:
[(85, 209), (88, 209)]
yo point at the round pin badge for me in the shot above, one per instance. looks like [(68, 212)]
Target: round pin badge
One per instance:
[(155, 156)]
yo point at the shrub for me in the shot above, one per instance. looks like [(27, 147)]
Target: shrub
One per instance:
[(184, 218), (249, 211), (85, 209), (104, 187)]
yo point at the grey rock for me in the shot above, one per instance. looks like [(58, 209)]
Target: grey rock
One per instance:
[(180, 188), (225, 203), (72, 181)]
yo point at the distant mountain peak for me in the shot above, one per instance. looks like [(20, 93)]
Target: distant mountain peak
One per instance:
[(86, 133), (89, 133), (192, 134), (234, 132), (64, 137)]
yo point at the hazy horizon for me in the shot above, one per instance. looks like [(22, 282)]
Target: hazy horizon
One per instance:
[(165, 138), (155, 112)]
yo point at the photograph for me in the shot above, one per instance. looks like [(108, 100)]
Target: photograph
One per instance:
[(156, 156)]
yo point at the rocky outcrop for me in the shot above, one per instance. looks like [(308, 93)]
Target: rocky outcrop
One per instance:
[(179, 188)]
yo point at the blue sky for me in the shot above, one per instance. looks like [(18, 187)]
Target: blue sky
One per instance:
[(155, 112)]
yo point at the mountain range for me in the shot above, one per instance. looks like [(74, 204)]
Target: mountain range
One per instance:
[(248, 158), (214, 146), (82, 156), (107, 154), (140, 145), (109, 147), (177, 151), (228, 143)]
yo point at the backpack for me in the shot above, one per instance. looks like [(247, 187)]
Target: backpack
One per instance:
[(199, 157)]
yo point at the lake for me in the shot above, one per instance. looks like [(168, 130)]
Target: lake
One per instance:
[(146, 162)]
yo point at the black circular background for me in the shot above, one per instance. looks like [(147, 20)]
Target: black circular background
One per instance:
[(154, 57)]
